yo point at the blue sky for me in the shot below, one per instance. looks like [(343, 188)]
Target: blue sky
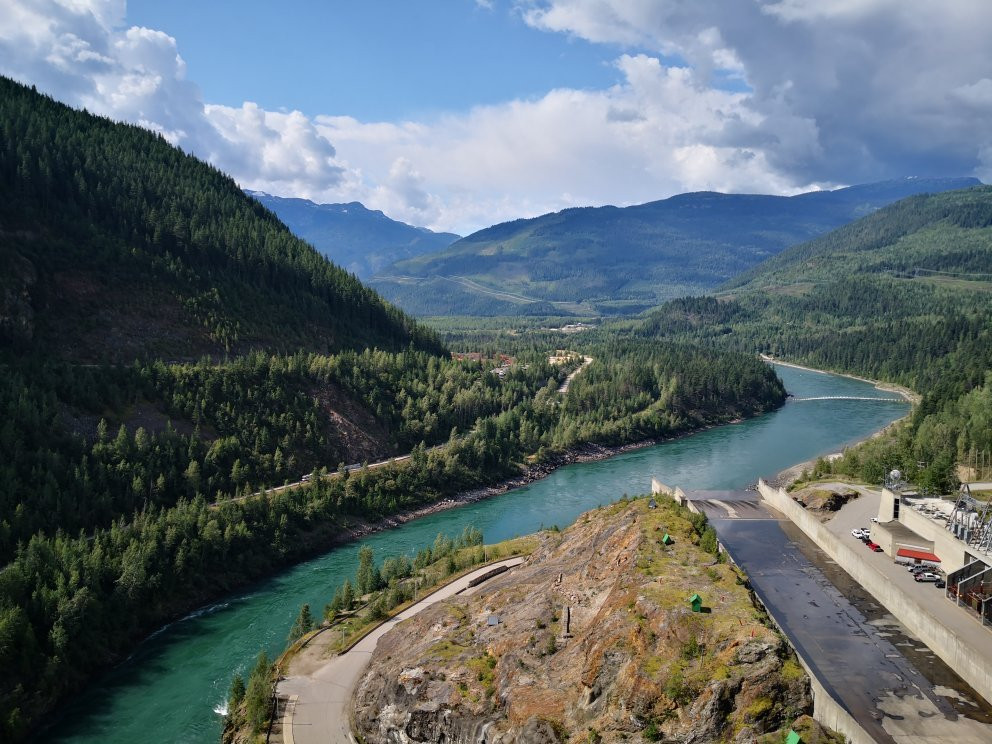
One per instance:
[(372, 60), (458, 114)]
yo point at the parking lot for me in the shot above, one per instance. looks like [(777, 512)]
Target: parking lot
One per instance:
[(961, 621)]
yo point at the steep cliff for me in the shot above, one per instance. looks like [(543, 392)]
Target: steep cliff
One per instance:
[(594, 637)]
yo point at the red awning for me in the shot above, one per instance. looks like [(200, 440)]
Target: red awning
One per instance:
[(920, 555)]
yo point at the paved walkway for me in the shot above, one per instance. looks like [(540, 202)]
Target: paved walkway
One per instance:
[(321, 702)]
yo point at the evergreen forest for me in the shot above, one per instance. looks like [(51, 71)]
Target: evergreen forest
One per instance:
[(172, 356)]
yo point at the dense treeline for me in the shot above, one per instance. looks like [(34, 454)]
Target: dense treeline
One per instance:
[(252, 421), (634, 391), (93, 211), (109, 534), (902, 295), (128, 491)]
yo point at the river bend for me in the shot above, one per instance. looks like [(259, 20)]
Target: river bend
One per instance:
[(172, 685)]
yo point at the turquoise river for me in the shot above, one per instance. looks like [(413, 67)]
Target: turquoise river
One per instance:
[(172, 686)]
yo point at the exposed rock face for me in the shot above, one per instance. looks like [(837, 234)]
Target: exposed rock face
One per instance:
[(824, 500), (592, 638)]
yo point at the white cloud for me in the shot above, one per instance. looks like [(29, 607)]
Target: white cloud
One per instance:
[(656, 134), (768, 95), (80, 52), (849, 89)]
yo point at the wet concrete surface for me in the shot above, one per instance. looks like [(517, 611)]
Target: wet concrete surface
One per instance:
[(729, 504), (961, 696), (884, 678)]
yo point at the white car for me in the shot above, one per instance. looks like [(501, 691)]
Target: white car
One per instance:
[(875, 520), (859, 532)]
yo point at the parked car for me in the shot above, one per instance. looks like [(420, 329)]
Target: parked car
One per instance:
[(865, 537), (940, 583), (875, 520), (858, 532), (918, 568), (874, 546), (927, 576)]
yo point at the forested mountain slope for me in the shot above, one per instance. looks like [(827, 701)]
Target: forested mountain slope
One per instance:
[(610, 259), (118, 246), (361, 240), (904, 295), (928, 235), (131, 479)]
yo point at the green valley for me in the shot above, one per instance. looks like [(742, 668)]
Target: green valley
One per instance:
[(610, 260), (901, 295), (169, 349)]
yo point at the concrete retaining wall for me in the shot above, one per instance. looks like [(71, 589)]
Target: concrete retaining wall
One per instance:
[(956, 652), (657, 487), (829, 712)]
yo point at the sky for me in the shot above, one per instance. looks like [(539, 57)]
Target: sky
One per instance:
[(458, 114)]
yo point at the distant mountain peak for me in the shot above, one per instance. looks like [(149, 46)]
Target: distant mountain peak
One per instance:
[(360, 239)]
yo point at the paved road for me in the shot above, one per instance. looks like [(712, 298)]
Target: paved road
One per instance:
[(323, 699), (981, 486)]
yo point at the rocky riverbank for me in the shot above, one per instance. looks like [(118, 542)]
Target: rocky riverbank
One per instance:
[(528, 474)]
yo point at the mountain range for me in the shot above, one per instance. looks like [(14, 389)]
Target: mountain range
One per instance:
[(361, 240), (606, 260)]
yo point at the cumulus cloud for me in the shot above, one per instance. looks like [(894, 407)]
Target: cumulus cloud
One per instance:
[(772, 96), (655, 134), (80, 52), (850, 89)]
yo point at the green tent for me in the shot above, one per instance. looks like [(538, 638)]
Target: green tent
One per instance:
[(667, 539), (793, 738), (697, 603)]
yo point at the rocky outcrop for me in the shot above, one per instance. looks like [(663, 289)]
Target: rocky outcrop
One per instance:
[(824, 500), (594, 638)]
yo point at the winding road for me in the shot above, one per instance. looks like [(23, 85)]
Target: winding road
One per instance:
[(319, 703)]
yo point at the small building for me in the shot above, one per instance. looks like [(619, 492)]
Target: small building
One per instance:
[(493, 620), (667, 539), (697, 603), (793, 738)]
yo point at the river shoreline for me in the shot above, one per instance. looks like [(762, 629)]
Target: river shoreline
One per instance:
[(588, 452), (190, 664), (890, 387), (785, 478)]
